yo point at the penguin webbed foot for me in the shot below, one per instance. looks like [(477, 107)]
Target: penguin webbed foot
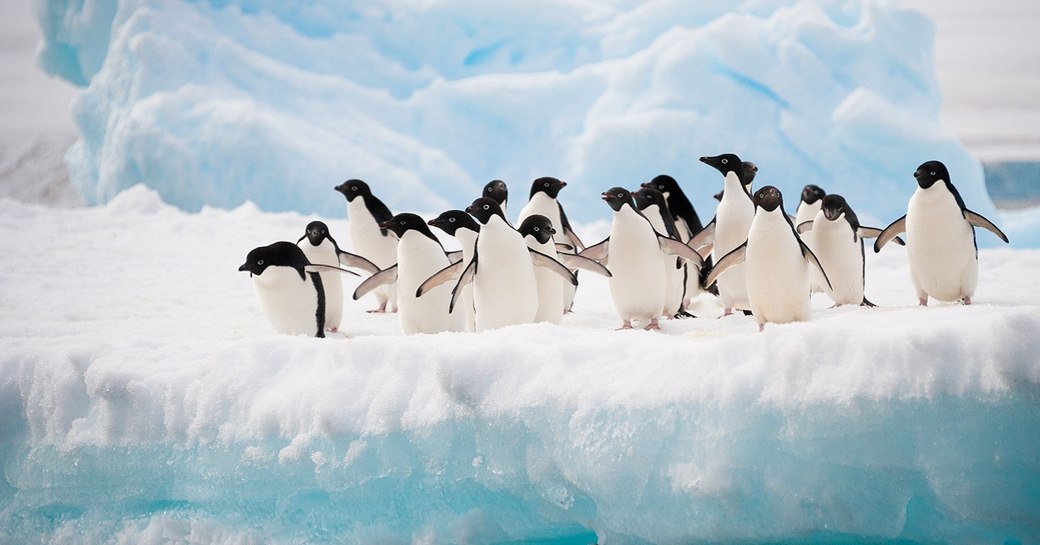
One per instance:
[(627, 324), (653, 326), (966, 300), (866, 303)]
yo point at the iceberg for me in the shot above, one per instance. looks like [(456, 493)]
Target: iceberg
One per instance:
[(218, 103)]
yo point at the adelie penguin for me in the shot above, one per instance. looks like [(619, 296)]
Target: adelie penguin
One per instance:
[(465, 229), (419, 255), (497, 191), (289, 287), (836, 237), (653, 205), (687, 224), (775, 257), (634, 253), (365, 212), (940, 238), (320, 248), (808, 206), (543, 200)]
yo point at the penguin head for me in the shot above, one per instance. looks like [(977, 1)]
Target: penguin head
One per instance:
[(647, 197), (769, 198), (404, 222), (812, 193), (617, 197), (929, 173), (833, 206), (484, 208), (453, 220), (316, 233), (279, 254), (662, 183), (539, 227), (497, 190), (354, 188), (750, 170), (726, 163), (548, 185)]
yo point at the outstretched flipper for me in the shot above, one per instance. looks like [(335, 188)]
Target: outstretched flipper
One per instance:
[(320, 268), (464, 279), (735, 257), (705, 237), (574, 261), (451, 272), (353, 260), (384, 277), (541, 260), (454, 256), (568, 232), (979, 221), (811, 259), (890, 232), (565, 248), (598, 252), (804, 226), (674, 247), (874, 232)]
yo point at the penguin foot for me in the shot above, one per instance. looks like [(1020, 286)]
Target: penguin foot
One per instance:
[(332, 329), (966, 300), (923, 301), (727, 312), (625, 325), (652, 326), (761, 327)]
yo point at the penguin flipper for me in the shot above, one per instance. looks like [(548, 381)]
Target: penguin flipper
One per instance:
[(812, 260), (353, 260), (805, 226), (381, 278), (451, 272), (735, 257), (979, 221), (598, 252), (890, 232), (568, 232), (704, 236), (320, 268), (565, 248), (874, 232), (465, 278), (574, 261), (454, 256), (547, 262), (674, 247)]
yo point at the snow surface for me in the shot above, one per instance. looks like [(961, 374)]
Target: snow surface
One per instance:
[(217, 103), (144, 399)]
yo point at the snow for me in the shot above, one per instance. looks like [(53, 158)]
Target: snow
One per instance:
[(215, 103), (145, 399)]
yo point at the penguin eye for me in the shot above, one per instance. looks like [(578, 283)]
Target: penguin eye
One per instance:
[(536, 229), (353, 188), (725, 161), (402, 222), (451, 220), (487, 207), (546, 184), (260, 262), (932, 173)]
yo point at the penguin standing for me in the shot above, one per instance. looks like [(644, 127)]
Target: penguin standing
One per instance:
[(538, 232), (687, 224), (290, 289), (809, 205), (775, 257), (419, 255), (652, 204), (634, 253), (320, 248), (365, 212), (836, 237), (497, 191), (729, 229), (542, 200), (465, 229), (940, 238)]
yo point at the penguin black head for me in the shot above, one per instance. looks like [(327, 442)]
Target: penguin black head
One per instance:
[(929, 173), (726, 163), (617, 197), (279, 254), (538, 226), (453, 220), (769, 198), (812, 193), (354, 188), (483, 208), (316, 233), (548, 185), (497, 190), (662, 183), (833, 206), (406, 221), (750, 170), (647, 197)]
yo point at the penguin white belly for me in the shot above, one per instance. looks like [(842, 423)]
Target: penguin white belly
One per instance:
[(542, 204), (289, 302), (777, 274), (468, 240), (841, 256), (732, 223), (638, 282), (370, 243), (325, 254), (550, 286), (940, 246), (505, 291), (418, 259), (674, 277), (807, 212)]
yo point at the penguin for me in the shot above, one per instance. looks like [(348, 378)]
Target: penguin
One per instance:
[(653, 205), (497, 190), (365, 212), (775, 257), (321, 248), (634, 254), (940, 238), (538, 232), (835, 236), (684, 215), (729, 229), (809, 205), (419, 255), (289, 287), (505, 290), (750, 170), (542, 200), (465, 229)]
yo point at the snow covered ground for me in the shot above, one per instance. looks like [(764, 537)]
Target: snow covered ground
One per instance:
[(144, 399)]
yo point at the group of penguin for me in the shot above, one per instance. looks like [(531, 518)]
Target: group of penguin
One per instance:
[(658, 256)]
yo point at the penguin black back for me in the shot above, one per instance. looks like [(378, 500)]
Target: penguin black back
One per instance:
[(354, 188), (679, 206)]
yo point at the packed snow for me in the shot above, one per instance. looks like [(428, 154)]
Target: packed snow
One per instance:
[(146, 400)]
